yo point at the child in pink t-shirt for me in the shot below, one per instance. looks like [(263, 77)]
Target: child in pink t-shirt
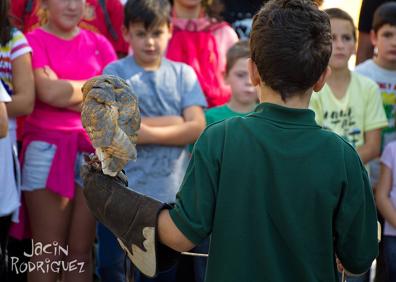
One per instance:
[(64, 57), (385, 196), (201, 40)]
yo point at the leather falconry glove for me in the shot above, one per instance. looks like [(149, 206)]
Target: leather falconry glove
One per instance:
[(130, 216)]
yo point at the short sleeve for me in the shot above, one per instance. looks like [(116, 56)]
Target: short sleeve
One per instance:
[(226, 37), (196, 200), (106, 50), (39, 57), (315, 105), (4, 97), (19, 45), (192, 94), (388, 155), (375, 114), (356, 242), (231, 37)]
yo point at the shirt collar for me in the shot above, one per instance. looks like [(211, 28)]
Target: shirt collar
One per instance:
[(283, 114)]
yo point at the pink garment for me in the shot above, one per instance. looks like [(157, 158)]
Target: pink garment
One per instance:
[(79, 58), (61, 176), (203, 43), (225, 36)]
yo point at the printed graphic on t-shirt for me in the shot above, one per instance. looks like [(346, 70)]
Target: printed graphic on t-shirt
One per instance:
[(388, 92), (343, 118)]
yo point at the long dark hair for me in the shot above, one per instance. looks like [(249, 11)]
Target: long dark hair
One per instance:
[(5, 24)]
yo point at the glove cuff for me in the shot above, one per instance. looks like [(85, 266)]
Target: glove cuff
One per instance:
[(132, 218)]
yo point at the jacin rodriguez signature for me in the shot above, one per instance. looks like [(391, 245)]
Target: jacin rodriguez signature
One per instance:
[(47, 265)]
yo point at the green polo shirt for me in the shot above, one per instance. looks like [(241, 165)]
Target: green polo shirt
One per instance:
[(280, 196), (221, 113)]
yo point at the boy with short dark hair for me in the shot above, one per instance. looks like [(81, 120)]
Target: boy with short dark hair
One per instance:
[(279, 195), (382, 69), (170, 102)]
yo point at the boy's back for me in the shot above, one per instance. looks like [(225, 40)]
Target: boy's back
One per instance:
[(280, 197), (275, 175), (165, 91)]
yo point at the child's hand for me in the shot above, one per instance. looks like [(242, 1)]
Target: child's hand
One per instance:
[(340, 267), (50, 73), (342, 270)]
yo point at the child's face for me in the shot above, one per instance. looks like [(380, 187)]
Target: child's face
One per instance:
[(343, 43), (148, 45), (65, 15), (242, 88), (385, 40)]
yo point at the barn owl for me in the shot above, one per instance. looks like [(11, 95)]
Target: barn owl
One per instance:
[(111, 117)]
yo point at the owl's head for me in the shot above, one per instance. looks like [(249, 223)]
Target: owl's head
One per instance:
[(103, 88)]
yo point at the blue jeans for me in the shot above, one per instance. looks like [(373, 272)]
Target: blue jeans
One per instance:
[(37, 164), (111, 258), (111, 261), (164, 276), (390, 256)]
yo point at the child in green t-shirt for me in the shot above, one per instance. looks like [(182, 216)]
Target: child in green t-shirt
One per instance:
[(243, 94)]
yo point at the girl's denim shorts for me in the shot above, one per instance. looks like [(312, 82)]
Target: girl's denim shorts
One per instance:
[(37, 163)]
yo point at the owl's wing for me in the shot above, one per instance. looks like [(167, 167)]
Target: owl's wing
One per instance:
[(128, 110), (121, 146), (100, 121)]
